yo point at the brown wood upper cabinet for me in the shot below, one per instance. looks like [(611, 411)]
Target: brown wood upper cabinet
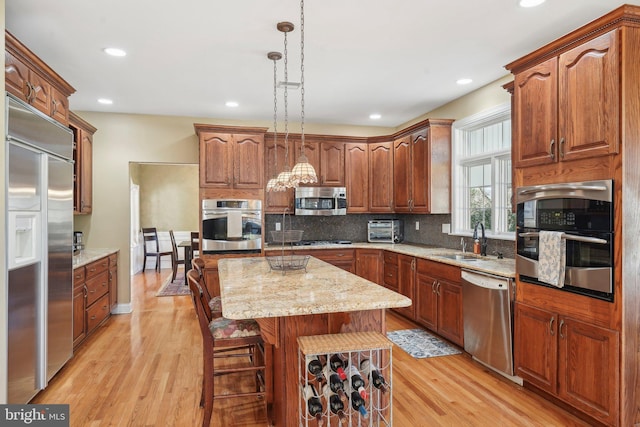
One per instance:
[(356, 171), (326, 157), (276, 201), (83, 164), (422, 170), (566, 107), (231, 158), (31, 80), (381, 177)]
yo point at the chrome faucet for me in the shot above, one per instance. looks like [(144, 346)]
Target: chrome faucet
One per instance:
[(463, 244), (483, 240)]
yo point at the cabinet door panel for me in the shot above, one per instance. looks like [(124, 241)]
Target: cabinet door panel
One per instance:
[(426, 301), (420, 159), (368, 264), (276, 201), (59, 107), (588, 99), (536, 346), (332, 163), (16, 76), (79, 307), (86, 172), (216, 160), (535, 115), (406, 284), (589, 368), (381, 177), (357, 177), (450, 312), (41, 93), (248, 161), (402, 175)]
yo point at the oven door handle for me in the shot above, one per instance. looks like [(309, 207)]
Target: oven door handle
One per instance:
[(569, 237), (561, 187)]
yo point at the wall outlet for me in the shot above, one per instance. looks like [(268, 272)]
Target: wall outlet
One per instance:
[(278, 226), (446, 228), (417, 225)]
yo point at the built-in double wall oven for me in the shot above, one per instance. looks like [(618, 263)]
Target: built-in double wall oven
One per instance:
[(231, 226), (583, 212)]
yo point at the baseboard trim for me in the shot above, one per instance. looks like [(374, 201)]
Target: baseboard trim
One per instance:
[(122, 309)]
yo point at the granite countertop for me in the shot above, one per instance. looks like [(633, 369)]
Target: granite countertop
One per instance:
[(87, 256), (250, 289), (505, 267)]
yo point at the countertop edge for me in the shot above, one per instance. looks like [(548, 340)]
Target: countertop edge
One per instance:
[(87, 256)]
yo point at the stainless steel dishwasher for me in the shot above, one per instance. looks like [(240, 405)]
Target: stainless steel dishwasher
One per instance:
[(487, 306)]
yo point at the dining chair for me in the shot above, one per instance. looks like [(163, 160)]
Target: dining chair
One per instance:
[(152, 247), (214, 301), (175, 258), (226, 338)]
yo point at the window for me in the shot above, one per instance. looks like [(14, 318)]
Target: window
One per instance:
[(481, 174)]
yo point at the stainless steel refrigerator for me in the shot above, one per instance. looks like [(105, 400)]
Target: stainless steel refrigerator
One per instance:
[(38, 248)]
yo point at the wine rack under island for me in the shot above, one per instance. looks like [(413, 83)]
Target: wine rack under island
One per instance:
[(345, 380), (324, 299)]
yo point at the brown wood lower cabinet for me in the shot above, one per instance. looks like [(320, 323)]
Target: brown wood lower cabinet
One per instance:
[(342, 258), (438, 296), (93, 297), (570, 359), (369, 264)]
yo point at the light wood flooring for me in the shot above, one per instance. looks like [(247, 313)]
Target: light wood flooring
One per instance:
[(145, 369)]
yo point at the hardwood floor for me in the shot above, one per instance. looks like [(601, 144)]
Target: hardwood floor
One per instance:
[(145, 369)]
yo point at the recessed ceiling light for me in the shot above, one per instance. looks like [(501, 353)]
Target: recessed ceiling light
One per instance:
[(375, 116), (530, 3), (105, 101), (464, 81), (231, 104), (114, 51)]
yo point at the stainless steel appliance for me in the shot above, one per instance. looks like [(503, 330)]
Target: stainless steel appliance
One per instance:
[(39, 176), (583, 212), (385, 231), (487, 309), (231, 226), (321, 201)]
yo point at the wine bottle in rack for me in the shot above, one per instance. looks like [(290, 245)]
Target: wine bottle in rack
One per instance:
[(373, 374), (334, 381), (314, 367), (314, 404), (356, 381), (358, 403), (338, 365), (336, 406)]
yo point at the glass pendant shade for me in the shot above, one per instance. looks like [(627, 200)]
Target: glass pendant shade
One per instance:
[(303, 172), (271, 185), (284, 180)]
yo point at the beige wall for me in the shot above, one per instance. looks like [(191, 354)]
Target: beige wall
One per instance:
[(169, 198)]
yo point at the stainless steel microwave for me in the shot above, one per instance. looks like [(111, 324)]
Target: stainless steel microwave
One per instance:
[(321, 201)]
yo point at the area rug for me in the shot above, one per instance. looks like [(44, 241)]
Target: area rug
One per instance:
[(421, 344), (176, 288)]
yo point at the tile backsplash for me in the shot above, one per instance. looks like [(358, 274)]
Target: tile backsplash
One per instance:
[(354, 227)]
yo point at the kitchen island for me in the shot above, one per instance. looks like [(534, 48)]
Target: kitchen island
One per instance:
[(323, 299)]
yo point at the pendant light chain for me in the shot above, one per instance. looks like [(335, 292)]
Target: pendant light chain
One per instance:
[(286, 104), (275, 113), (302, 73)]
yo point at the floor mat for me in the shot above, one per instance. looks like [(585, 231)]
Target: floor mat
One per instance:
[(420, 344), (176, 288)]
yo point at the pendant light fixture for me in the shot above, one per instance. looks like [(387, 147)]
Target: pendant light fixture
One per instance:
[(272, 184), (303, 172), (284, 178)]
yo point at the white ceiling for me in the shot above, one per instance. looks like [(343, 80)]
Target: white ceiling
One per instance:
[(399, 58)]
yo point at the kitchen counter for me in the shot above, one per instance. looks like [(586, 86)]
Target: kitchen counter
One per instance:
[(487, 264), (250, 289), (87, 256)]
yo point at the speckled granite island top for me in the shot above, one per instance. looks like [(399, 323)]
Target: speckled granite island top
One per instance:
[(250, 289)]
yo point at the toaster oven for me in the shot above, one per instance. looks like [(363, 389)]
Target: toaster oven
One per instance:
[(385, 231)]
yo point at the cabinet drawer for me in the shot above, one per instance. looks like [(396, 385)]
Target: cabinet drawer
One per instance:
[(97, 312), (97, 286), (439, 270), (330, 255), (390, 258), (113, 260), (97, 267), (78, 276), (391, 277)]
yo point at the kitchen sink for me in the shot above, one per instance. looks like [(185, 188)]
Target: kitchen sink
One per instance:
[(459, 257)]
